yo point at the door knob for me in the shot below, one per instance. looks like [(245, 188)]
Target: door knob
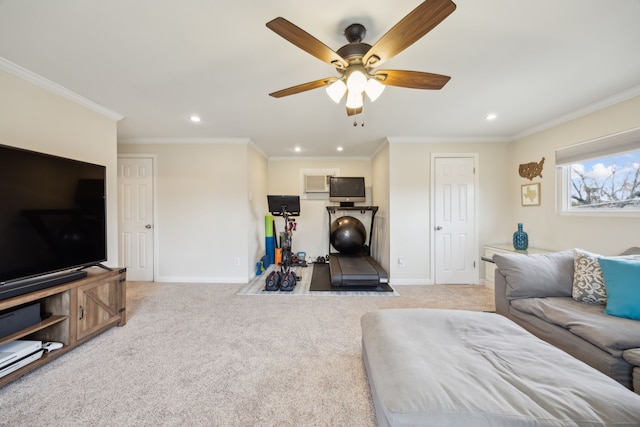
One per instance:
[(147, 226), (438, 228)]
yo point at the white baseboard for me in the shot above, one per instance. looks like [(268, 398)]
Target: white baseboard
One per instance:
[(410, 282), (192, 279)]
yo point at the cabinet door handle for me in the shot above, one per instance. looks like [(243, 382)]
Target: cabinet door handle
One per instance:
[(81, 312)]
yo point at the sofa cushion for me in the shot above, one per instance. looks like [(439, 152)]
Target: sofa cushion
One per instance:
[(612, 334), (622, 280), (632, 356), (537, 275)]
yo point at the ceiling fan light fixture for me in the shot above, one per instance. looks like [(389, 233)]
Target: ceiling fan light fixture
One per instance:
[(373, 89), (336, 90), (354, 100), (356, 82)]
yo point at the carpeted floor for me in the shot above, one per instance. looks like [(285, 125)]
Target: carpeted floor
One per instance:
[(202, 355)]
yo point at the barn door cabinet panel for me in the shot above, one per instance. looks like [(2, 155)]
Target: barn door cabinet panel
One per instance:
[(73, 313), (100, 305)]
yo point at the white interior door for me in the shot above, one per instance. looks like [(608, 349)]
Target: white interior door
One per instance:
[(454, 221), (135, 217)]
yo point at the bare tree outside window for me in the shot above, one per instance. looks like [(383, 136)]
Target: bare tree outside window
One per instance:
[(607, 183)]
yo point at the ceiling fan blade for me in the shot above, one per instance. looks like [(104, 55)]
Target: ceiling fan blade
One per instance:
[(412, 27), (303, 87), (353, 111), (306, 42), (412, 79)]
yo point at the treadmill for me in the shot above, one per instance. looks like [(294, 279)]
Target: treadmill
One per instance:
[(355, 270)]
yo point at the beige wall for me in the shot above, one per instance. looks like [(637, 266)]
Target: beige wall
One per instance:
[(546, 227), (312, 234), (410, 209), (380, 194), (39, 120), (202, 219), (257, 182), (212, 197)]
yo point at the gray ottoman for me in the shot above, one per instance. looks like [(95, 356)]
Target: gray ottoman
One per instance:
[(459, 368)]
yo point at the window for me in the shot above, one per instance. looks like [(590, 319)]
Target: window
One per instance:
[(601, 176)]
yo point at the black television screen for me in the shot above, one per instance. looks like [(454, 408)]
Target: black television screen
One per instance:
[(346, 190), (52, 214), (291, 205)]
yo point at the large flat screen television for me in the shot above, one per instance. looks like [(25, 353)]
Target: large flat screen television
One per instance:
[(52, 218), (346, 190)]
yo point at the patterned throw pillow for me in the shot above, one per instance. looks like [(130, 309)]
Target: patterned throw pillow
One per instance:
[(588, 283)]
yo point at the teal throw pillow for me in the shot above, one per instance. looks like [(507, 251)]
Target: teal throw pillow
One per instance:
[(622, 282)]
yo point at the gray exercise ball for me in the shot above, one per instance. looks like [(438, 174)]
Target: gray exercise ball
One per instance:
[(348, 235)]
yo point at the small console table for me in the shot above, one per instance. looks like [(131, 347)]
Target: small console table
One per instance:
[(77, 311), (362, 209)]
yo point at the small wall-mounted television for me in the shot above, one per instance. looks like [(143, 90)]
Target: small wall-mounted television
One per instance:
[(347, 190), (52, 218)]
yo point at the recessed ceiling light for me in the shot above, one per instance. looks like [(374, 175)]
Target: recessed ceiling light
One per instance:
[(194, 119), (340, 148), (491, 116)]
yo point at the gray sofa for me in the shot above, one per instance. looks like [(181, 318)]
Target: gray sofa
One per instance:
[(541, 293)]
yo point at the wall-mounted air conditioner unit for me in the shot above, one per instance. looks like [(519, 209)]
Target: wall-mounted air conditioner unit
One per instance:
[(316, 183)]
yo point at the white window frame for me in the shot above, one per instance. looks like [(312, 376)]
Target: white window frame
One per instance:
[(605, 146)]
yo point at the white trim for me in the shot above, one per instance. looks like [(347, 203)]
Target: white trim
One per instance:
[(329, 158), (40, 81), (385, 143), (258, 149), (184, 141), (203, 279), (447, 140), (432, 209), (156, 225), (562, 178), (596, 106), (412, 282)]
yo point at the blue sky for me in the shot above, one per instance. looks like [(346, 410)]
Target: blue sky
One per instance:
[(599, 169)]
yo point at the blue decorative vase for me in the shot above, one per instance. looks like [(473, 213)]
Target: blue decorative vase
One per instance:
[(520, 239)]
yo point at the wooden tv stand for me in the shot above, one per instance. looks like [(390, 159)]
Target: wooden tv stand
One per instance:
[(79, 311)]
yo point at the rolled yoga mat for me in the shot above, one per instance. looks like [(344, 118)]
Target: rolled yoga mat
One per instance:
[(270, 241)]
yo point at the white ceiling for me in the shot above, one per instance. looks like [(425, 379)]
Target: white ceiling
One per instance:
[(158, 62)]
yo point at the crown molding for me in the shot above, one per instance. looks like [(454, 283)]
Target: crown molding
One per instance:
[(184, 141), (592, 108), (447, 140), (325, 158), (258, 149), (50, 86), (381, 146)]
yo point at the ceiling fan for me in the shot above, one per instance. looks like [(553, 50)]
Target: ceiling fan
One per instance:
[(356, 62)]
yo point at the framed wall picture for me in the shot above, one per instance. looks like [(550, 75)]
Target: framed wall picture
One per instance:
[(530, 194)]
